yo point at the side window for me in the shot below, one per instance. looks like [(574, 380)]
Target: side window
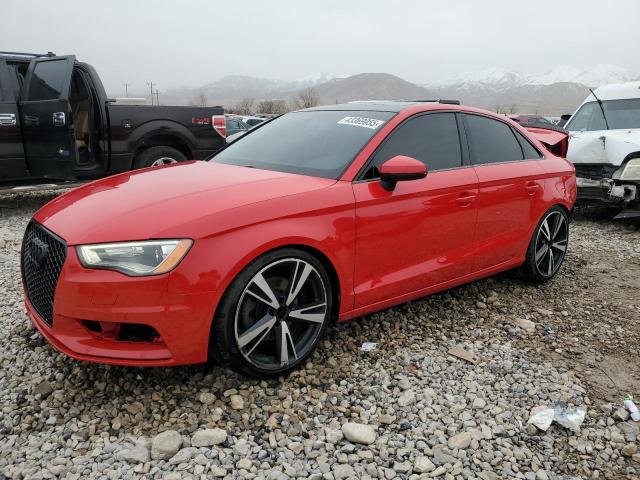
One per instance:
[(587, 119), (432, 138), (492, 141), (529, 150), (48, 80)]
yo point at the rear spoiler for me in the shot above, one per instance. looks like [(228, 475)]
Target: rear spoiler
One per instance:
[(556, 140)]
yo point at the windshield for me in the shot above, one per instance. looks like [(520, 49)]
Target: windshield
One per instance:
[(319, 143), (620, 114)]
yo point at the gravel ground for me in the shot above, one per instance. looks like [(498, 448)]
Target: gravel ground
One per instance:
[(407, 409)]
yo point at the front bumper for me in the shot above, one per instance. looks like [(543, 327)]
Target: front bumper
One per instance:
[(87, 298)]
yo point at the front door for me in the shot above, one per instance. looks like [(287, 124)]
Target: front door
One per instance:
[(12, 164), (420, 234), (46, 118)]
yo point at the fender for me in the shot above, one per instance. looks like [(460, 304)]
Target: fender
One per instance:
[(142, 136)]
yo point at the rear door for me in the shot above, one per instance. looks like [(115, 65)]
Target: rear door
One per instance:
[(420, 234), (12, 164), (46, 118), (509, 175)]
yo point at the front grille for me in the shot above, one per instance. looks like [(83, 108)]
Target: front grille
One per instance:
[(594, 171), (43, 255)]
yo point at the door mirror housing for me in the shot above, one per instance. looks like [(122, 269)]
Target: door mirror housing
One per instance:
[(399, 169)]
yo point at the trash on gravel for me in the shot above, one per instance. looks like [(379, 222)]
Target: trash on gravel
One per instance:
[(570, 418), (633, 409), (541, 417), (466, 355), (368, 346)]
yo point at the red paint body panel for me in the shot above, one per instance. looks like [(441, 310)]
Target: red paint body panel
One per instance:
[(386, 247)]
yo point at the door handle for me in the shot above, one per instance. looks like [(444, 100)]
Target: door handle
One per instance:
[(466, 198), (7, 119), (58, 119), (532, 187)]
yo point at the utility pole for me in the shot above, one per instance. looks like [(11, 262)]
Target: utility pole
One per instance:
[(151, 90), (157, 97), (126, 89)]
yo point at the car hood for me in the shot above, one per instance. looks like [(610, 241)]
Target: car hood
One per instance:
[(163, 202), (603, 146)]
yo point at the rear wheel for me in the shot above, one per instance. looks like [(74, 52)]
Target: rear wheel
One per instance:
[(273, 315), (548, 246), (158, 156)]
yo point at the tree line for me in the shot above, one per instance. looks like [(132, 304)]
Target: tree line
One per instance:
[(306, 98)]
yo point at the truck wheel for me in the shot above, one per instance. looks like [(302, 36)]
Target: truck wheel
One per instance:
[(157, 156)]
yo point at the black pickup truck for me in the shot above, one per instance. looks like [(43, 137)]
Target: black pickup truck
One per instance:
[(56, 122)]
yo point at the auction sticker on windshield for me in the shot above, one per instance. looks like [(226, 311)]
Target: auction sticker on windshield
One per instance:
[(371, 123)]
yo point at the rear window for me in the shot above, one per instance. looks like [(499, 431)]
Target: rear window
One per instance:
[(320, 143), (492, 141)]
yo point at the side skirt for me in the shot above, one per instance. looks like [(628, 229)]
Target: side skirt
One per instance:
[(487, 272)]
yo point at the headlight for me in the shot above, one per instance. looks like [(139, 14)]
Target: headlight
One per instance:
[(631, 170), (152, 257)]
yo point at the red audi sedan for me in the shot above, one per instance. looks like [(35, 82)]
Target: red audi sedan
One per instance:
[(318, 216)]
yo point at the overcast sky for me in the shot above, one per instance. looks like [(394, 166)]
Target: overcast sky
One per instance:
[(192, 42)]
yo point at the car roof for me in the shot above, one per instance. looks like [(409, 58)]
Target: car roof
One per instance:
[(369, 105), (617, 91)]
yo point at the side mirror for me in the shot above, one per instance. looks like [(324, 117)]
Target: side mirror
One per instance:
[(399, 169)]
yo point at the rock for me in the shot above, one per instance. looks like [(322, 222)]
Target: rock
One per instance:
[(136, 454), (621, 414), (423, 465), (407, 398), (244, 463), (460, 441), (478, 403), (359, 433), (165, 445), (343, 471), (402, 467), (527, 325), (207, 398), (334, 436), (208, 437), (541, 475), (467, 355), (541, 417), (218, 472), (441, 470), (629, 450), (44, 389), (442, 456), (182, 456), (237, 402)]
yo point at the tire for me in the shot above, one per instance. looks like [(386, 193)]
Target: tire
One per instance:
[(156, 156), (541, 264), (251, 325)]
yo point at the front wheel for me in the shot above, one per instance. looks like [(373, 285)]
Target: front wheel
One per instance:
[(273, 315), (548, 246)]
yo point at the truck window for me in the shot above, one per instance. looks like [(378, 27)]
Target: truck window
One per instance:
[(621, 114), (48, 80)]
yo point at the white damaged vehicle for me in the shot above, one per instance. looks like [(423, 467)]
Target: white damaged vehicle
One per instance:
[(604, 146)]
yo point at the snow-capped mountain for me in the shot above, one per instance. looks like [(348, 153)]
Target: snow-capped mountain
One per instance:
[(489, 77), (501, 78), (591, 77)]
